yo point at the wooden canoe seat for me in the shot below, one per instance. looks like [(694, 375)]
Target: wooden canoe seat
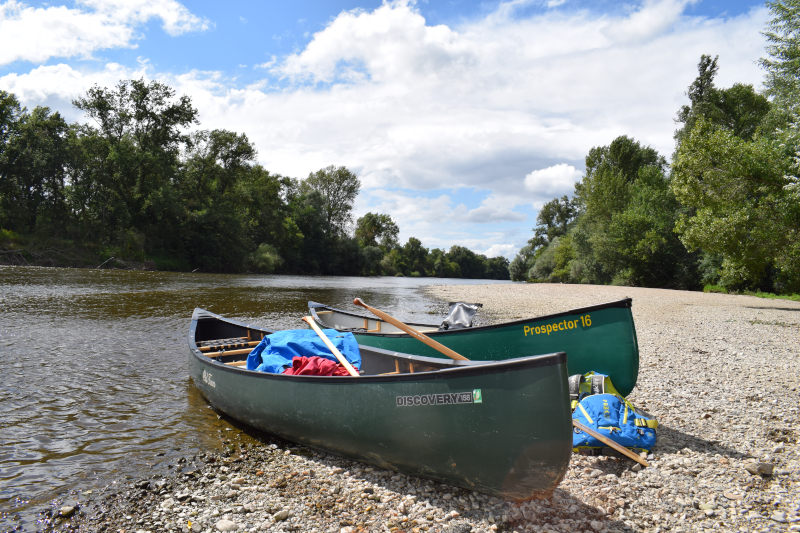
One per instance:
[(229, 352)]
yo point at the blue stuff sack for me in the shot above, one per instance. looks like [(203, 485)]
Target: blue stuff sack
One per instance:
[(614, 417)]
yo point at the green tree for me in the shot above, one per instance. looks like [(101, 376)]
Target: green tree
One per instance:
[(783, 63), (415, 257), (605, 188), (522, 263), (371, 257), (739, 108), (377, 229), (738, 185), (736, 191), (471, 265), (393, 263), (338, 188), (442, 266), (34, 158), (553, 220), (497, 268), (605, 192), (640, 246), (309, 255), (783, 84), (221, 218), (129, 162)]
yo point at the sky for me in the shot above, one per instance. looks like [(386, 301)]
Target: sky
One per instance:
[(460, 117)]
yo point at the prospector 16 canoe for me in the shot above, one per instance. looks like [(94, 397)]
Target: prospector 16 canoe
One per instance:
[(600, 338), (499, 427)]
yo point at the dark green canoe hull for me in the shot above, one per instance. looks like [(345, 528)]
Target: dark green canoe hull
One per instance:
[(599, 338), (502, 428)]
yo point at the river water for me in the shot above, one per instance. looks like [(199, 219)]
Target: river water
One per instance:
[(94, 386)]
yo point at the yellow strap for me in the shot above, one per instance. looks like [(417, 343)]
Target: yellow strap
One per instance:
[(588, 418), (645, 423), (625, 416)]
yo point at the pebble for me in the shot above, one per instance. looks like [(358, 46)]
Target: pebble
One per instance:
[(226, 525), (717, 371), (762, 469)]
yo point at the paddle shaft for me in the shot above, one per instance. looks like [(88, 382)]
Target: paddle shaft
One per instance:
[(602, 438), (335, 351), (411, 331)]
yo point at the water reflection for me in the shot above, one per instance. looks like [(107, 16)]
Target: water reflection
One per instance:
[(95, 385)]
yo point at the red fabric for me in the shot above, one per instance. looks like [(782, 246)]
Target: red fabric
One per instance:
[(315, 366)]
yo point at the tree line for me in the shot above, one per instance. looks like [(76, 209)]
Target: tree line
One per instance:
[(137, 184), (725, 213)]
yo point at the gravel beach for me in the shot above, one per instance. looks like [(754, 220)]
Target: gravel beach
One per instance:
[(719, 372)]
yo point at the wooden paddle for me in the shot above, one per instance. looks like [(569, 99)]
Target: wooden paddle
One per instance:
[(602, 438), (450, 353), (335, 351), (411, 331)]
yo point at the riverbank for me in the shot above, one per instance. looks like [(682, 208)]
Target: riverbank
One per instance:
[(718, 371)]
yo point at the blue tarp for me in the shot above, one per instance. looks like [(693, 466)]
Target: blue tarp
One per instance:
[(275, 352)]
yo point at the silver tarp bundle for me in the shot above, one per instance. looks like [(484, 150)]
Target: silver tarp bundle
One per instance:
[(460, 316)]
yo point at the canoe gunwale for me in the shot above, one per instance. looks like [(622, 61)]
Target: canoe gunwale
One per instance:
[(313, 306)]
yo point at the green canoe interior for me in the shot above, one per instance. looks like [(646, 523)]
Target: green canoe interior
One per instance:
[(599, 338), (515, 443)]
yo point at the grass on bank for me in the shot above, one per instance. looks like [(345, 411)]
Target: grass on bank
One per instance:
[(717, 288)]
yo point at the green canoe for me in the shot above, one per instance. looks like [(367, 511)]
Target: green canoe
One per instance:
[(600, 338), (499, 427)]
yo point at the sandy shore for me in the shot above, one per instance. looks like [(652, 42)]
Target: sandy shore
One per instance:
[(719, 372)]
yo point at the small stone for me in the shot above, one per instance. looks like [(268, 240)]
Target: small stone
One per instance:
[(169, 503), (761, 469), (778, 516), (67, 511), (458, 528), (282, 515), (226, 525), (732, 495)]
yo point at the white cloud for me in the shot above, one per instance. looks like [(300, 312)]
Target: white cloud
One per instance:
[(552, 181), (498, 250), (37, 34), (175, 18), (507, 105)]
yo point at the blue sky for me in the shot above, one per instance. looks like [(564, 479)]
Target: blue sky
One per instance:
[(461, 117)]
